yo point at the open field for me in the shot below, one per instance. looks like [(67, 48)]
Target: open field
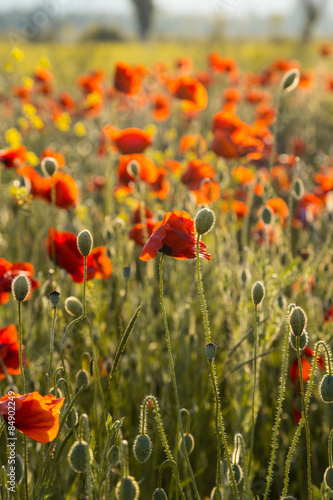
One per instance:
[(133, 152)]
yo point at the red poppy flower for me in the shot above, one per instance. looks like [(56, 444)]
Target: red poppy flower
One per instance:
[(22, 92), (9, 271), (136, 214), (306, 365), (324, 178), (137, 234), (328, 314), (161, 108), (325, 49), (191, 91), (173, 165), (192, 142), (35, 415), (66, 191), (43, 79), (66, 100), (185, 65), (194, 178), (174, 236), (130, 140), (280, 208), (147, 171), (92, 82), (242, 175), (222, 64), (161, 186), (127, 78), (13, 157), (68, 257), (9, 351), (307, 210)]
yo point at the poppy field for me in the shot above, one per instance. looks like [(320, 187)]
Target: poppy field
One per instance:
[(166, 275)]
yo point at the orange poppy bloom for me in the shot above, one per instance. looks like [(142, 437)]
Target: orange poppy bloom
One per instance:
[(222, 64), (66, 191), (161, 186), (136, 233), (328, 314), (66, 100), (174, 236), (68, 257), (9, 351), (9, 271), (13, 157), (194, 178), (161, 108), (35, 415), (306, 80), (231, 97), (306, 365), (92, 82), (265, 114), (130, 140), (307, 210), (147, 171), (280, 208), (242, 175), (325, 49), (22, 92), (192, 142), (185, 65), (173, 165), (50, 153), (43, 79), (128, 79), (324, 178), (236, 145), (256, 96), (191, 91)]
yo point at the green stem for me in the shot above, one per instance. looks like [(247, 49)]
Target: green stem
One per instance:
[(330, 448), (173, 377), (52, 340), (19, 307), (255, 342), (307, 429), (203, 302), (239, 437), (278, 414)]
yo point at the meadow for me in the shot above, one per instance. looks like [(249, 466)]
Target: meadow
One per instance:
[(166, 270)]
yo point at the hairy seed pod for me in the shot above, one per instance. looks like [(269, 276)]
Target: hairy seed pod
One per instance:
[(142, 448), (238, 473), (267, 215), (80, 456), (210, 350), (84, 242), (127, 489), (54, 297), (159, 494), (298, 189), (326, 389), (258, 293), (204, 220), (189, 443), (328, 477), (82, 378), (21, 287), (113, 455)]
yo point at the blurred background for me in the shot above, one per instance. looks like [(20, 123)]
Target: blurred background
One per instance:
[(70, 21)]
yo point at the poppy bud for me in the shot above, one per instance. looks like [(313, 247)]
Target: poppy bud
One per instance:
[(210, 351), (113, 455), (82, 378), (20, 287), (303, 340), (54, 298), (73, 306), (267, 215), (49, 165), (328, 477), (245, 276), (238, 473), (159, 494), (297, 320), (126, 272), (72, 418), (56, 392), (290, 80), (204, 221), (80, 456), (298, 189), (258, 293), (133, 168), (326, 389), (127, 489), (189, 443), (142, 448), (84, 242), (216, 494)]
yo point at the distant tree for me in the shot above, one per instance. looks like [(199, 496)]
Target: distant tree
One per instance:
[(313, 9), (144, 14)]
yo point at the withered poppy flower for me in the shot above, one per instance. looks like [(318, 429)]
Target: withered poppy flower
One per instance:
[(68, 257), (174, 236), (190, 91), (9, 271), (137, 234), (197, 172), (13, 157), (127, 79), (161, 107), (66, 191), (130, 140), (192, 142), (9, 351), (35, 415)]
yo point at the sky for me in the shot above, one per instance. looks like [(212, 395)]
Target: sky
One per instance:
[(193, 7)]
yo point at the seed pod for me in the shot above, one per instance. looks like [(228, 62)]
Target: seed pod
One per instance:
[(80, 456), (159, 494), (113, 455), (297, 321), (73, 306), (328, 477), (84, 242), (126, 272), (326, 389), (142, 448), (127, 489), (189, 443), (258, 293), (204, 221), (20, 287)]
